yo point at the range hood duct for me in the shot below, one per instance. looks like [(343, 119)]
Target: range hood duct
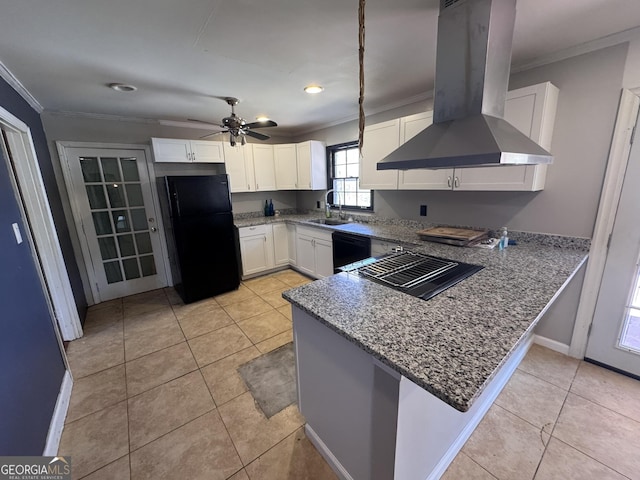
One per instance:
[(472, 75)]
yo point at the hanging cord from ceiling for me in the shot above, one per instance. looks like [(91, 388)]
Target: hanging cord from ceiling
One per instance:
[(361, 65)]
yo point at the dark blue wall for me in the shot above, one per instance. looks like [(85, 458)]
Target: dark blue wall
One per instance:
[(32, 365), (10, 100)]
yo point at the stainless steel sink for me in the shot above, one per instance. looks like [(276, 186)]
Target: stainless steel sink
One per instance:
[(329, 221)]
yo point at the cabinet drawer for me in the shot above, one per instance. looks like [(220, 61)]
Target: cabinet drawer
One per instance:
[(317, 233), (255, 230)]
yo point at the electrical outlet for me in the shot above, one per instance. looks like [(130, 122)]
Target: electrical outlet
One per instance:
[(318, 204), (423, 210)]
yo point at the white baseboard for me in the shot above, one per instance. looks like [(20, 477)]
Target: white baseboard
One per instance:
[(59, 414), (333, 462), (551, 344)]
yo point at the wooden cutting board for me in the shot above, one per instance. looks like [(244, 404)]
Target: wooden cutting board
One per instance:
[(454, 236)]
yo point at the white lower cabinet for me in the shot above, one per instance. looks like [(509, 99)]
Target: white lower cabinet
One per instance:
[(314, 252), (280, 244), (291, 240), (256, 249)]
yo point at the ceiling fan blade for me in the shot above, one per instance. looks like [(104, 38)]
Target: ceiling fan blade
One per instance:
[(268, 123), (212, 134), (257, 135), (202, 121)]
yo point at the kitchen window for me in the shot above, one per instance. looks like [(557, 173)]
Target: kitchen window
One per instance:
[(344, 178)]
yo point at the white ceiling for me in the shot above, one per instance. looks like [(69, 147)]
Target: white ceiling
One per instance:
[(181, 54)]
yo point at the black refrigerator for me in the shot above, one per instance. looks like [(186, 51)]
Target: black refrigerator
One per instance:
[(203, 240)]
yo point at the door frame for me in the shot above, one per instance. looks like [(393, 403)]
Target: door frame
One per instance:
[(84, 255), (609, 199), (43, 230)]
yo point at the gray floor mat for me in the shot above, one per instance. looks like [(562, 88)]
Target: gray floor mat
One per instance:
[(271, 378)]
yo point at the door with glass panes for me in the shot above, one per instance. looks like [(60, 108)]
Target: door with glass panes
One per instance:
[(113, 203)]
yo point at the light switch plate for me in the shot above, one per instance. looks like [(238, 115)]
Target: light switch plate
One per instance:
[(16, 232)]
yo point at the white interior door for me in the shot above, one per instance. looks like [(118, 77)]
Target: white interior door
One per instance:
[(615, 333), (113, 205)]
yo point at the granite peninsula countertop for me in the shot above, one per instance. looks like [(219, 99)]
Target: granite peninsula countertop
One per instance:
[(453, 344)]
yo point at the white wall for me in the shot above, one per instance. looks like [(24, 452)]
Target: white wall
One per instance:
[(632, 69)]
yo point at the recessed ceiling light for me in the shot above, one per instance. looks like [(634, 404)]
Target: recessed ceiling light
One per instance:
[(313, 89), (262, 118), (121, 87)]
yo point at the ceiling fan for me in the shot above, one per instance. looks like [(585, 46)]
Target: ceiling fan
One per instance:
[(236, 126)]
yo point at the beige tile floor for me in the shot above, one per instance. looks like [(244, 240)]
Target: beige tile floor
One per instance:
[(557, 418), (157, 395)]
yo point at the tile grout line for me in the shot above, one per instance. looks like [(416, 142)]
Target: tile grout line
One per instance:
[(126, 391), (592, 458), (462, 453), (555, 423)]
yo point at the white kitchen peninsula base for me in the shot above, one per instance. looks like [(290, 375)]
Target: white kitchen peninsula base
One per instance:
[(367, 420)]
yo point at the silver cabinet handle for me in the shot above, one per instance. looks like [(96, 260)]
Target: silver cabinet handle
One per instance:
[(154, 229), (252, 228), (265, 239), (449, 181), (248, 187), (456, 182), (257, 187)]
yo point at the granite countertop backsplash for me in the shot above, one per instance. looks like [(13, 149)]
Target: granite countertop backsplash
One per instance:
[(453, 344)]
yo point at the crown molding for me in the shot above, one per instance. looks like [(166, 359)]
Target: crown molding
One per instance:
[(587, 47), (12, 80), (102, 116)]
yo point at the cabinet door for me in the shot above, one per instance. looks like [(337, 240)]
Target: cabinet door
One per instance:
[(379, 141), (203, 151), (324, 258), (291, 239), (254, 254), (312, 165), (256, 248), (421, 179), (305, 255), (264, 168), (280, 244), (236, 167), (171, 150), (531, 110), (286, 166)]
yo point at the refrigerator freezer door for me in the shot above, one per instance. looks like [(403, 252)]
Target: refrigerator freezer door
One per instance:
[(207, 256), (193, 196)]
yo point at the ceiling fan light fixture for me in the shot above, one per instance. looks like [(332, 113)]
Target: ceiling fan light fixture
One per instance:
[(122, 87), (313, 89), (262, 118)]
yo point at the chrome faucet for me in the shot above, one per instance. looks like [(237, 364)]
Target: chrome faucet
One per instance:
[(327, 207)]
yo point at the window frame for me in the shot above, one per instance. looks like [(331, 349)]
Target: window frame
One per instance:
[(331, 150)]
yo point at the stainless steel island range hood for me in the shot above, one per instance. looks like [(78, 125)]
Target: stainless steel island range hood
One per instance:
[(472, 75)]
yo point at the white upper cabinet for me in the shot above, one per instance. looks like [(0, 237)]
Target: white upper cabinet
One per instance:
[(379, 141), (532, 110), (312, 165), (264, 167), (173, 150), (285, 158), (238, 162), (421, 179)]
